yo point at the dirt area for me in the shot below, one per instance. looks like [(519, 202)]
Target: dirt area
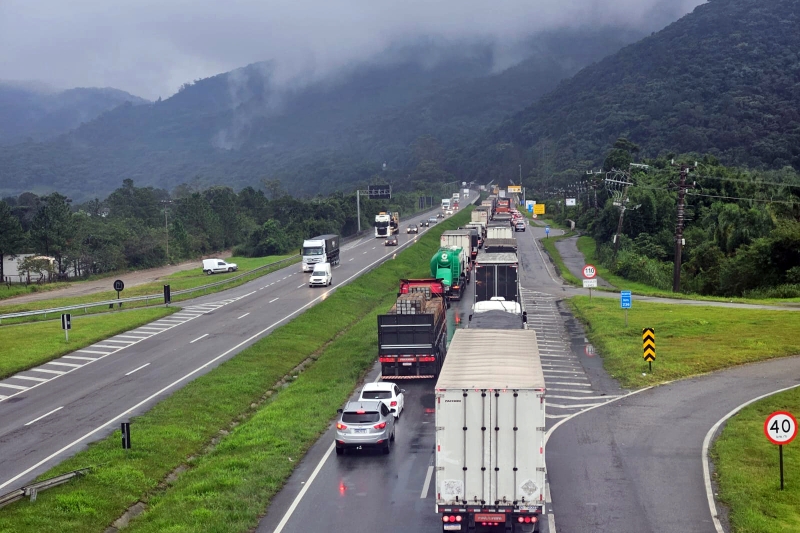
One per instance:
[(131, 279)]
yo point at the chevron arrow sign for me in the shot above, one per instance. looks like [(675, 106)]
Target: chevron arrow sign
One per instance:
[(649, 344)]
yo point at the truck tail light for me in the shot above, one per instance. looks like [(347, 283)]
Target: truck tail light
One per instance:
[(531, 519), (452, 518), (382, 425), (426, 359), (339, 425), (386, 359)]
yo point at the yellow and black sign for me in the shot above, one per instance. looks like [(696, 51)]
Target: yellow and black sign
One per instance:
[(649, 344), (538, 209), (515, 189)]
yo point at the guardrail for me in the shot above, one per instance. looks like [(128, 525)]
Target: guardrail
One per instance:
[(33, 489), (146, 298)]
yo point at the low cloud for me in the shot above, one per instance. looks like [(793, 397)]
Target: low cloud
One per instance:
[(150, 48)]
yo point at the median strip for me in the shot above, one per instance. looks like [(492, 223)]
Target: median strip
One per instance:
[(184, 427)]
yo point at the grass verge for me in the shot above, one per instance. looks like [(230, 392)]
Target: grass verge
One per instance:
[(549, 245), (29, 345), (178, 281), (748, 474), (179, 429), (10, 291), (690, 340)]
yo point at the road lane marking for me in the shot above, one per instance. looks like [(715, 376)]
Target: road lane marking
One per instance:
[(350, 259), (135, 369), (18, 387), (70, 365), (198, 338), (427, 484), (712, 505), (29, 378), (551, 523), (301, 286), (578, 397), (105, 346), (244, 315), (138, 338), (124, 342), (44, 415), (570, 384), (79, 358), (576, 406), (45, 371), (303, 491), (189, 375), (93, 351)]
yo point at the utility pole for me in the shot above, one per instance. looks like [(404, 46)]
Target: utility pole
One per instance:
[(166, 224), (676, 272), (618, 234), (358, 208)]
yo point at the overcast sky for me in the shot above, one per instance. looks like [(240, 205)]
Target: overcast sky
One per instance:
[(150, 47)]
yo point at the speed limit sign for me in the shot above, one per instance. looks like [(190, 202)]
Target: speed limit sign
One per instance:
[(780, 427), (589, 271)]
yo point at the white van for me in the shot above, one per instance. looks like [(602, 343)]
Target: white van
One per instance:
[(211, 266), (321, 276)]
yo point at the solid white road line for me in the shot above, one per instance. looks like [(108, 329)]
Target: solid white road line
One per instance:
[(45, 371), (570, 384), (557, 416), (187, 376), (244, 315), (44, 415), (551, 523), (576, 406), (135, 369), (712, 506), (109, 347), (198, 338), (572, 391), (93, 351), (137, 337), (123, 342), (274, 299), (79, 358), (608, 397), (427, 484), (29, 378), (547, 370), (18, 387)]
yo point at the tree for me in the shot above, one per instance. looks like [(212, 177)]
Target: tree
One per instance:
[(53, 228), (11, 235)]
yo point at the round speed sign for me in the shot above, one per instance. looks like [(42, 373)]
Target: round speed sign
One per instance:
[(589, 271), (780, 427)]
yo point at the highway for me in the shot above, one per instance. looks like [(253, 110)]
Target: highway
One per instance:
[(365, 492), (52, 411)]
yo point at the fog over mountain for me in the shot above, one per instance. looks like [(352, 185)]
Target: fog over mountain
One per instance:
[(151, 48)]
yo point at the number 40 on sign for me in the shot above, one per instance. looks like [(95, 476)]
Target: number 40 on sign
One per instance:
[(780, 428)]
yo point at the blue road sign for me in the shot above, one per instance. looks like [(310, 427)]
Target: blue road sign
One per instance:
[(625, 299), (547, 230)]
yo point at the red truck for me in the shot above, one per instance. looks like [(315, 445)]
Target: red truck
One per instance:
[(503, 205), (412, 336)]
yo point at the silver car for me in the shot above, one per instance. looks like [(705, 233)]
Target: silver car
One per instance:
[(365, 424)]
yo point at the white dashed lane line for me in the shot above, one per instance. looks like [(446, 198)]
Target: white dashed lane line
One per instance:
[(273, 300), (135, 369), (198, 338), (244, 315), (44, 415)]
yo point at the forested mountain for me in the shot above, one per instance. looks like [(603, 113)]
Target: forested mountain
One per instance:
[(723, 80), (237, 128), (38, 112)]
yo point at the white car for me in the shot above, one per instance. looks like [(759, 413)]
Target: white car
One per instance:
[(211, 266), (321, 275), (448, 211), (389, 393)]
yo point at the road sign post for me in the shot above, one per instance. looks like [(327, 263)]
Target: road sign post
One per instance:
[(118, 286), (625, 303), (126, 435), (589, 272), (547, 232), (780, 428), (167, 295), (649, 346), (66, 324)]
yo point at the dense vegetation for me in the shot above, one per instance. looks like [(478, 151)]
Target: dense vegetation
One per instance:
[(39, 113), (742, 228), (722, 80), (237, 128), (129, 228)]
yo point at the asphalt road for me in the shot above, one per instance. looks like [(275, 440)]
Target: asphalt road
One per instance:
[(51, 412), (365, 492)]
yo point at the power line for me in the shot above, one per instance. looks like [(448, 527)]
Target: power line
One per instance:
[(787, 202)]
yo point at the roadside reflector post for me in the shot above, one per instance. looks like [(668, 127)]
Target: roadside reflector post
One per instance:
[(167, 296), (780, 428), (66, 324), (126, 436)]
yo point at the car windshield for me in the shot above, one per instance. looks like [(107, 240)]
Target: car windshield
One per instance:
[(315, 250), (318, 273), (376, 395), (367, 417)]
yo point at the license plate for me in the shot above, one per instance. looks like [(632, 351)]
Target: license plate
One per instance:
[(359, 431), (407, 364), (452, 527)]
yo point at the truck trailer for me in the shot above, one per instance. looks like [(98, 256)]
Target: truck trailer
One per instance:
[(387, 223), (496, 277), (320, 249), (490, 429), (499, 230), (460, 238), (449, 264), (412, 336)]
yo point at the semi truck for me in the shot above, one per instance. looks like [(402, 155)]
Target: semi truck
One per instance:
[(320, 249), (496, 276), (481, 215), (449, 264), (500, 245), (412, 336), (503, 205), (476, 239), (489, 409), (387, 223), (445, 203), (460, 238), (504, 218), (499, 230)]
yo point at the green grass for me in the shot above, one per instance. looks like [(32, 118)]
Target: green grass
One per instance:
[(187, 279), (747, 470), (28, 345), (10, 291), (690, 340), (549, 245), (182, 425)]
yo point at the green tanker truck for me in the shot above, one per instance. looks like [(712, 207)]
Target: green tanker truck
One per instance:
[(449, 264)]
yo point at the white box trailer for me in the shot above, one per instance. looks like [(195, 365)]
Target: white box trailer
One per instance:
[(499, 231), (490, 429)]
